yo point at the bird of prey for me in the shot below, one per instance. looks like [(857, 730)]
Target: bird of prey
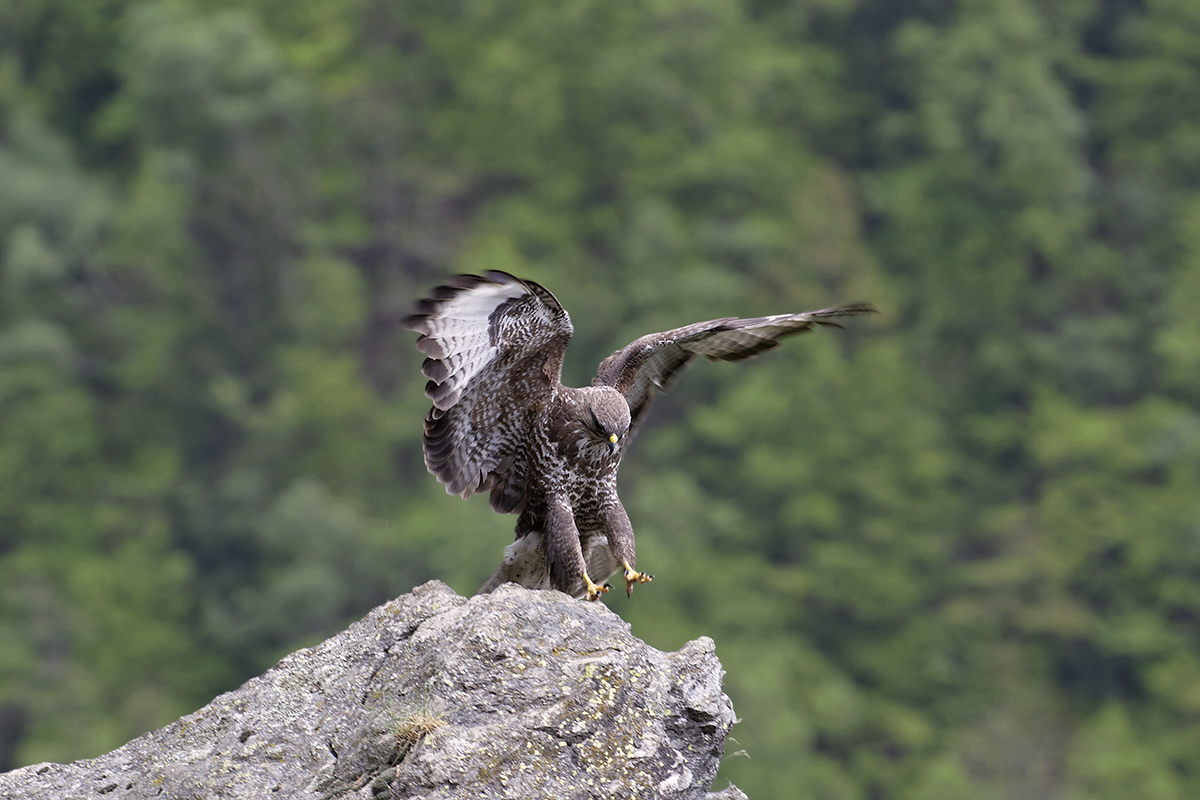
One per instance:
[(502, 422)]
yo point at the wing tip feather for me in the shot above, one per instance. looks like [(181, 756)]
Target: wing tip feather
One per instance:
[(857, 308)]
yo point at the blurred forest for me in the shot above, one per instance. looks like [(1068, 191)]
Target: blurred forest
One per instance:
[(952, 552)]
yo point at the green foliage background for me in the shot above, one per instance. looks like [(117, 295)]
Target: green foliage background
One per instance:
[(951, 553)]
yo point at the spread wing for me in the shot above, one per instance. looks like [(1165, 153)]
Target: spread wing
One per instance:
[(653, 361), (495, 345)]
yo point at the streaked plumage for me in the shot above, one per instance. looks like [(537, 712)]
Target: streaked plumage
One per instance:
[(502, 421)]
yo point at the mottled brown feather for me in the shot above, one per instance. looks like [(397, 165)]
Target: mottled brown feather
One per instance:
[(495, 345)]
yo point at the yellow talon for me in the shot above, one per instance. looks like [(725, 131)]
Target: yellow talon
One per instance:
[(632, 576), (594, 591)]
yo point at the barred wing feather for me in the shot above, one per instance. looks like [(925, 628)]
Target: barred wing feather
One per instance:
[(653, 361), (495, 345)]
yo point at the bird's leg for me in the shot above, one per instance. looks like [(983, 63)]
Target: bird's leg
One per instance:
[(564, 553), (632, 576), (594, 591), (620, 540)]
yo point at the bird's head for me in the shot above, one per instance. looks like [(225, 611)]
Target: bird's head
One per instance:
[(606, 419)]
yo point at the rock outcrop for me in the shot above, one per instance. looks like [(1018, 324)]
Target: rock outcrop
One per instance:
[(513, 694)]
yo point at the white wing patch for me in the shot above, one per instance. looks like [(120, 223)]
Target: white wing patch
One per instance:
[(494, 345), (457, 338)]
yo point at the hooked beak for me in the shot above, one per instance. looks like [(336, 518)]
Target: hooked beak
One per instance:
[(614, 444)]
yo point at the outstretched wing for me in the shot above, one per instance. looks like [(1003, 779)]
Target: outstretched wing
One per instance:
[(495, 346), (653, 361)]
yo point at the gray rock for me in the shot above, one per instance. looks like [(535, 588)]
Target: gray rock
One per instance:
[(513, 694)]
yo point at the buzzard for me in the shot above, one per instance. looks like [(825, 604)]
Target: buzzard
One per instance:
[(502, 421)]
